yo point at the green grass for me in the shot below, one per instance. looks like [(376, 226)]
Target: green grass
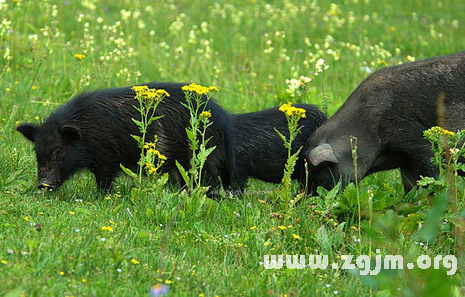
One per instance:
[(51, 243)]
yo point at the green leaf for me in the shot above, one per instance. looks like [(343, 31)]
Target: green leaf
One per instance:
[(138, 123), (290, 164), (434, 216), (163, 180), (203, 155), (128, 172), (137, 193), (410, 223), (426, 180), (143, 235), (348, 199), (283, 138), (13, 176), (149, 212), (328, 195), (137, 108), (153, 119), (323, 240), (137, 138), (190, 134), (183, 172), (116, 209)]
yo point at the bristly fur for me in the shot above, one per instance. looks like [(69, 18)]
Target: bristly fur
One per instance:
[(260, 152), (388, 113), (104, 119)]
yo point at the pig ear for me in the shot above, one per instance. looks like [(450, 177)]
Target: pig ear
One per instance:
[(28, 130), (70, 132), (322, 153)]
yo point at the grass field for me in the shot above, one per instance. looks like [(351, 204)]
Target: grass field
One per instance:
[(61, 243)]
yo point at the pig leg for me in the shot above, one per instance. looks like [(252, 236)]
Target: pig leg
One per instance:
[(409, 178), (212, 180), (104, 177), (419, 165)]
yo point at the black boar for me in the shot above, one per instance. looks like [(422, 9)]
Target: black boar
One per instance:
[(388, 113), (93, 130), (260, 152)]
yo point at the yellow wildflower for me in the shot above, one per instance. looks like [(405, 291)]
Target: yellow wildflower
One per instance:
[(195, 88), (143, 92), (253, 227), (26, 218), (83, 280), (160, 155), (71, 212), (62, 273), (435, 131), (447, 132), (79, 57), (140, 90), (8, 89), (152, 94), (290, 110), (162, 93), (284, 107), (282, 227), (168, 281), (206, 115), (107, 228), (152, 170), (296, 236), (4, 262), (134, 261)]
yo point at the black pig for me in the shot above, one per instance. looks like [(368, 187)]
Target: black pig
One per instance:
[(388, 113), (260, 152), (93, 130)]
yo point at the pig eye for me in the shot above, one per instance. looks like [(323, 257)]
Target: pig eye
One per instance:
[(56, 152)]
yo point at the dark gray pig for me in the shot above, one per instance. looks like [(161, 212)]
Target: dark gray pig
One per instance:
[(388, 113)]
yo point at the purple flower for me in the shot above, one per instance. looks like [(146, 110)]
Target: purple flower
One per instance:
[(66, 3), (299, 51), (159, 290)]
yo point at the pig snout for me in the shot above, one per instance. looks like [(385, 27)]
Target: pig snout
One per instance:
[(48, 180)]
